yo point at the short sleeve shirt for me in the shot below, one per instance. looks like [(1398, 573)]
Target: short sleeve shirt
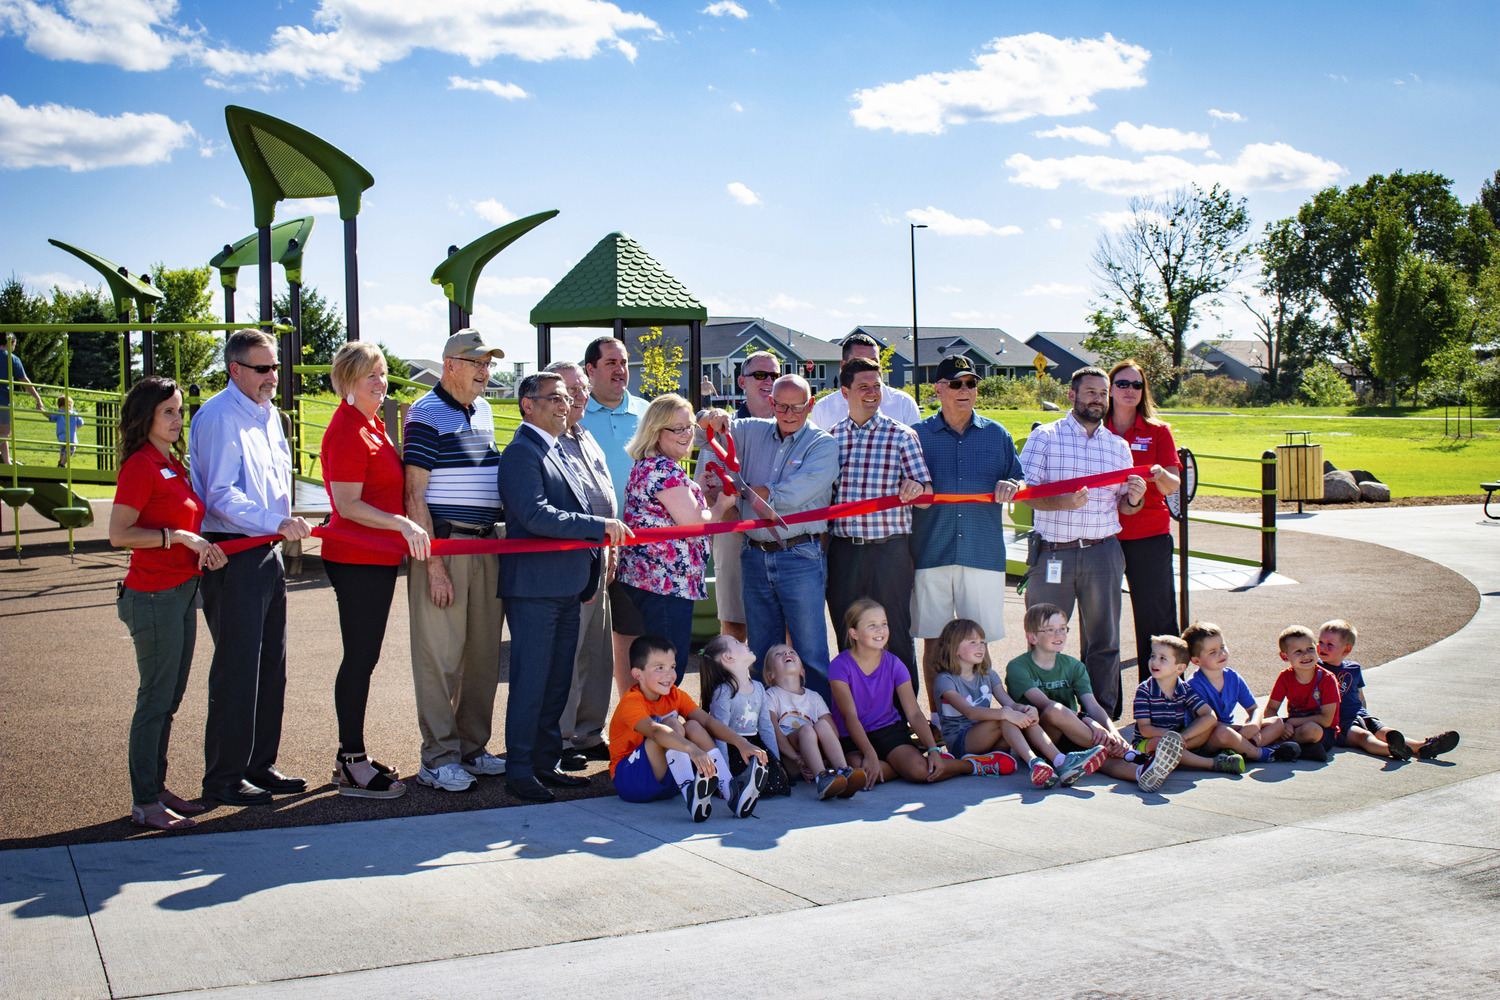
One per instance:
[(1351, 679), (1150, 444), (874, 693), (1167, 711), (10, 368), (1306, 699), (963, 534), (634, 707), (456, 445), (1222, 701), (1065, 683), (158, 486), (978, 692), (675, 567), (356, 450)]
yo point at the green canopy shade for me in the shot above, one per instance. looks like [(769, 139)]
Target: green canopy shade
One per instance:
[(284, 161), (122, 285), (288, 241), (617, 281), (459, 274)]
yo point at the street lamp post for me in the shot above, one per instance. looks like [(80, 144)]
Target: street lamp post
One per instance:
[(916, 343)]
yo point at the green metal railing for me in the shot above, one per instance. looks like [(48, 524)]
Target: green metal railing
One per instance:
[(1267, 527)]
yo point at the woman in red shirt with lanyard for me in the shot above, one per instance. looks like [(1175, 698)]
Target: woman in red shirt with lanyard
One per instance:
[(157, 515), (365, 482), (1146, 536)]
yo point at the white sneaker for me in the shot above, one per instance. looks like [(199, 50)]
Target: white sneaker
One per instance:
[(448, 777), (485, 763)]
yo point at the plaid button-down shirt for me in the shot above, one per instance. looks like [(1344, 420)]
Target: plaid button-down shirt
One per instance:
[(874, 459), (1064, 450)]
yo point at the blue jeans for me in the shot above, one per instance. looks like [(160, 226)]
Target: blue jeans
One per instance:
[(784, 594), (668, 616)]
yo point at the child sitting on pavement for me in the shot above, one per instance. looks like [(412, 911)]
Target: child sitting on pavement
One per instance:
[(1311, 694), (1165, 703), (1058, 686), (1357, 727), (804, 728), (662, 744), (1258, 740), (739, 702), (868, 683)]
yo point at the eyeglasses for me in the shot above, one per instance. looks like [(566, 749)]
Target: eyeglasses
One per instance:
[(1060, 630), (483, 365), (963, 383), (679, 431), (1125, 383), (554, 398), (760, 376), (788, 407), (260, 369)]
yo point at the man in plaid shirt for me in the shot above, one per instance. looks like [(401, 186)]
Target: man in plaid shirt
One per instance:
[(870, 555), (1078, 558)]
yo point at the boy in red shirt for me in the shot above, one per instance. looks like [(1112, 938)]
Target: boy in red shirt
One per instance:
[(1311, 694), (661, 743)]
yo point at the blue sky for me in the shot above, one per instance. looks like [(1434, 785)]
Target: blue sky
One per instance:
[(770, 155)]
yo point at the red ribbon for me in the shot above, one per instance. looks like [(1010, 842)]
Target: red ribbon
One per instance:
[(392, 543)]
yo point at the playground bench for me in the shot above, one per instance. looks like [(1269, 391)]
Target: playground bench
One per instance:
[(1489, 492)]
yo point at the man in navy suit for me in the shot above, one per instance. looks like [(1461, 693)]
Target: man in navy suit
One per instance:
[(543, 590)]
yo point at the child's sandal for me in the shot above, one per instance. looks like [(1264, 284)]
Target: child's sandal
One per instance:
[(383, 785)]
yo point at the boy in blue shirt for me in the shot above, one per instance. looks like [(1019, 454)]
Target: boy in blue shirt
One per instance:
[(1165, 703), (1258, 740), (1357, 727)]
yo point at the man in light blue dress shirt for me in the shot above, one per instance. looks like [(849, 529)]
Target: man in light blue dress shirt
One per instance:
[(242, 470)]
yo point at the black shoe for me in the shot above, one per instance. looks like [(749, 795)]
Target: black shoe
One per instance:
[(1314, 751), (1435, 745), (573, 762), (561, 779), (1396, 744), (277, 783), (239, 794), (599, 751), (529, 789)]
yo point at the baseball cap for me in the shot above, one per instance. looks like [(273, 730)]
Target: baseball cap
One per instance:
[(955, 366), (469, 343)]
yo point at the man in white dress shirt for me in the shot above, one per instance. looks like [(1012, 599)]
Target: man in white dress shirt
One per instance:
[(894, 403)]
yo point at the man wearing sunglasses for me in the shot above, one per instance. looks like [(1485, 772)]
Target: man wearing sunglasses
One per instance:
[(242, 468), (959, 549), (894, 403)]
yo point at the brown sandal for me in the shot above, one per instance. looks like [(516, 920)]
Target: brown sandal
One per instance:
[(384, 785), (161, 819)]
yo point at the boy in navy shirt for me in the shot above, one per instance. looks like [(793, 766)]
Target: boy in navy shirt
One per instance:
[(1357, 727), (1258, 741), (1165, 703)]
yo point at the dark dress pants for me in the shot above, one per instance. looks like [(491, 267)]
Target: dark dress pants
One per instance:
[(882, 572), (543, 637), (244, 605)]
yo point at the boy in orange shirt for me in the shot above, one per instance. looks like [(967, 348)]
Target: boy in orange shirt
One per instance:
[(661, 742)]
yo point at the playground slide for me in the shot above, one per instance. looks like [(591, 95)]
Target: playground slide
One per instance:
[(49, 495)]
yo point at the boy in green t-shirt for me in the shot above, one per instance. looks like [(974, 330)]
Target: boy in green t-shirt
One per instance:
[(1058, 685)]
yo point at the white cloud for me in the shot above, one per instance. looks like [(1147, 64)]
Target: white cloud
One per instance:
[(949, 289), (1259, 167), (491, 210), (1155, 139), (1226, 116), (1115, 220), (726, 8), (856, 300), (742, 194), (839, 314), (1056, 288), (51, 135), (971, 314), (209, 148), (355, 37), (946, 224), (294, 208), (513, 286), (1015, 78), (783, 303), (1078, 133), (218, 202), (119, 33), (60, 279), (1054, 223), (509, 91), (1211, 155), (736, 106)]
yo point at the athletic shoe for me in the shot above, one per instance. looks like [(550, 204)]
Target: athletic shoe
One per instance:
[(486, 764), (1041, 773), (1229, 763), (1396, 744), (1439, 744), (1080, 762), (830, 784), (854, 780), (994, 763), (1286, 751), (448, 777), (744, 791), (1168, 753), (1314, 751), (699, 794)]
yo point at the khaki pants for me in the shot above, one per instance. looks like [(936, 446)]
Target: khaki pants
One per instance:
[(455, 658), (587, 710)]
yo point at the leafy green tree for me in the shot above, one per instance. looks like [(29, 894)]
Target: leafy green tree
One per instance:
[(661, 367), (95, 360), (1489, 197), (1285, 310), (1114, 345), (188, 300), (1169, 264), (40, 353), (1324, 385), (323, 332)]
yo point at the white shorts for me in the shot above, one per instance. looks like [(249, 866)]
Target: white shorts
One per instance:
[(944, 593)]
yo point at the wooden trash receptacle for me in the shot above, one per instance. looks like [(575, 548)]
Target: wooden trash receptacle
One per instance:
[(1299, 469)]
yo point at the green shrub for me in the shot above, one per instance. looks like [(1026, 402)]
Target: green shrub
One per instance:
[(1219, 390), (997, 392), (1323, 385)]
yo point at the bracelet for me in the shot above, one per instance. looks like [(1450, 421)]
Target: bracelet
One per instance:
[(932, 748), (166, 538)]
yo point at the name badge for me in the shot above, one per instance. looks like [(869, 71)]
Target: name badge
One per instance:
[(1054, 571), (168, 474), (1141, 444)]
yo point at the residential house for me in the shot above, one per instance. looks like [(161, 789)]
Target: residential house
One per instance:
[(726, 341), (991, 350), (1244, 360), (1065, 351), (501, 384)]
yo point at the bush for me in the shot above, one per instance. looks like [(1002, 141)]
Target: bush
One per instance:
[(1485, 386), (1323, 385), (999, 393), (1219, 390)]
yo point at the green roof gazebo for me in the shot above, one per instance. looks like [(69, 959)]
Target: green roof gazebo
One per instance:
[(616, 285)]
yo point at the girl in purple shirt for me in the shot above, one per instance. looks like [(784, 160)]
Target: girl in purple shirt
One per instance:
[(868, 682)]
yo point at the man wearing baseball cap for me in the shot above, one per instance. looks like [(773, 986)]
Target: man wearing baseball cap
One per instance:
[(448, 449)]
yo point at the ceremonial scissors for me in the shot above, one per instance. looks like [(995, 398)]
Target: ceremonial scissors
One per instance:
[(729, 474)]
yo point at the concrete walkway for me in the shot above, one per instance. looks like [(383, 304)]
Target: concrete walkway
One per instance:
[(1360, 878)]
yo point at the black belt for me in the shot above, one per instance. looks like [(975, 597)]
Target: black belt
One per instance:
[(1077, 543), (228, 536), (784, 543), (472, 530), (856, 540)]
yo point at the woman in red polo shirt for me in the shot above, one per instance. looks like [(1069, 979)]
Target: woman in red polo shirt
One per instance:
[(1146, 536), (366, 484), (156, 515)]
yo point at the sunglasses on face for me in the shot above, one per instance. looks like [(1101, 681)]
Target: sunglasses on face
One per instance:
[(760, 376), (963, 383), (1125, 383), (261, 369)]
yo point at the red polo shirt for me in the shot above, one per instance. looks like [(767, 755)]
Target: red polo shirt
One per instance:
[(159, 487), (1150, 444), (356, 450)]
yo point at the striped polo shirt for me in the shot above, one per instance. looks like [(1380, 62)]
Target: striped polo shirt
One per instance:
[(456, 445)]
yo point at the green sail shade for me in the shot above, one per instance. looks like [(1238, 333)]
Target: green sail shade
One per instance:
[(459, 274), (284, 161)]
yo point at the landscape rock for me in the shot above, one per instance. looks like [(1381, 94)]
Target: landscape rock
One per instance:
[(1339, 487), (1050, 407), (1329, 467), (1374, 492), (1361, 476)]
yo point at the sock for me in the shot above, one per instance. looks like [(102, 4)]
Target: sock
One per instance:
[(680, 766), (717, 756), (1139, 768), (1265, 754), (1057, 762), (1132, 756)]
